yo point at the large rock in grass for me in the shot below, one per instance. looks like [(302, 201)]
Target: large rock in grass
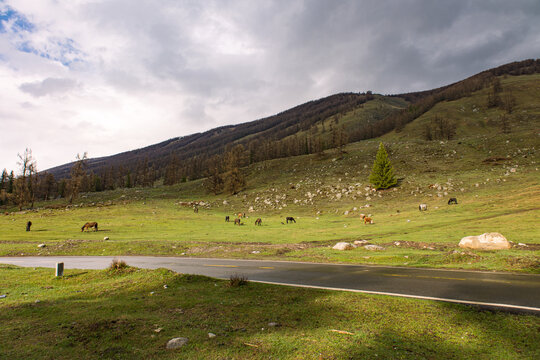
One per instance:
[(343, 246), (177, 342), (486, 241)]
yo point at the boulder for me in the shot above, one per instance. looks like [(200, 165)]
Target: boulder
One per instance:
[(41, 245), (343, 246), (177, 342), (486, 241), (360, 242), (374, 247)]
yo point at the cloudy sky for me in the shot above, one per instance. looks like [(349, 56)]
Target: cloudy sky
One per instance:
[(106, 76)]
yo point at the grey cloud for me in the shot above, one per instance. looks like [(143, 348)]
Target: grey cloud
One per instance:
[(49, 86)]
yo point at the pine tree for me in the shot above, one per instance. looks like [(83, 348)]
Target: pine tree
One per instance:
[(382, 174)]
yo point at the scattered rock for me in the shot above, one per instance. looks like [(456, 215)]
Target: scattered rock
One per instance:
[(41, 245), (106, 238), (360, 242), (211, 335), (343, 246), (177, 342), (374, 247), (486, 241), (273, 324), (522, 244), (165, 286), (255, 252)]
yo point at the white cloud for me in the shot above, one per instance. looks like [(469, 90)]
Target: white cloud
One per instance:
[(110, 76)]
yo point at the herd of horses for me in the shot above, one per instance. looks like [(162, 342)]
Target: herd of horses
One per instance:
[(368, 219), (258, 222)]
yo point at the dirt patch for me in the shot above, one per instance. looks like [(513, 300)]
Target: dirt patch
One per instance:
[(245, 247), (532, 247), (524, 262), (418, 245)]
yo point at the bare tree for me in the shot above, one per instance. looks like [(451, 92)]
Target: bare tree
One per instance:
[(78, 174), (25, 183)]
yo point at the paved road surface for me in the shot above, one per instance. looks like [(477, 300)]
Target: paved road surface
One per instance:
[(506, 291)]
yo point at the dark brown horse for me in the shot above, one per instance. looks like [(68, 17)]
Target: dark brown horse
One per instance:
[(258, 221), (90, 225), (291, 219), (237, 222)]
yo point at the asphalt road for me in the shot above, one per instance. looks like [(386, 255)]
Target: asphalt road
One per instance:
[(505, 291)]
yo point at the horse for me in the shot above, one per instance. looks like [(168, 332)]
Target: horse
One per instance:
[(452, 201), (258, 221), (237, 222), (227, 218), (422, 207), (368, 220), (195, 209), (90, 225), (28, 224), (291, 219)]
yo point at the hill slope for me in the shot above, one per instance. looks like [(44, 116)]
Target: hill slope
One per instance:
[(308, 128)]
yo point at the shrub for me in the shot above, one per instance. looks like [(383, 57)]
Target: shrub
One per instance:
[(118, 265), (238, 280)]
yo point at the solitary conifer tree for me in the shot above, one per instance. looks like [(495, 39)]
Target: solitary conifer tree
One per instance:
[(382, 175)]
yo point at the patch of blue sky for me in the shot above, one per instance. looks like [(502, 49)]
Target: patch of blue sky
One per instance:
[(17, 21), (61, 50)]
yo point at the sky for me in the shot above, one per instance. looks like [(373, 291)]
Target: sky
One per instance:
[(109, 76)]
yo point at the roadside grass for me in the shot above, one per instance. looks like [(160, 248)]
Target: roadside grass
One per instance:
[(130, 314)]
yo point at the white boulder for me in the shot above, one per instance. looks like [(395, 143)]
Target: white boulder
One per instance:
[(343, 246), (486, 241), (177, 342)]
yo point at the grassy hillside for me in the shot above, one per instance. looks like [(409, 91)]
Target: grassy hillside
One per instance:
[(493, 174)]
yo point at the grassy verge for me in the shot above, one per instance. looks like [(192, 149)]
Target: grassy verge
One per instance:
[(128, 313)]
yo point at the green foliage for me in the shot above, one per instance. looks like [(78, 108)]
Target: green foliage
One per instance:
[(382, 174)]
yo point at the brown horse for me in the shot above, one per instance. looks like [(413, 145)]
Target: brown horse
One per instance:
[(368, 220), (90, 225), (291, 219), (237, 222), (258, 221)]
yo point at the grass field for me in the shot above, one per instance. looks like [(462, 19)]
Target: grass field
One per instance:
[(129, 314), (126, 314)]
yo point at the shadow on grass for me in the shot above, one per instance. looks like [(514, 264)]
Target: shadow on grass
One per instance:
[(132, 315)]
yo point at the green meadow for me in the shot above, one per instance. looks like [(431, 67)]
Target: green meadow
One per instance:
[(129, 313)]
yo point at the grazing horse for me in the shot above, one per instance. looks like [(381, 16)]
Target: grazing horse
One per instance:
[(258, 221), (237, 222), (422, 207), (362, 216), (291, 219), (28, 224), (90, 225), (368, 220), (195, 209), (452, 201), (227, 218)]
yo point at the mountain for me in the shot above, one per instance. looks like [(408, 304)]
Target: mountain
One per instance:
[(308, 128)]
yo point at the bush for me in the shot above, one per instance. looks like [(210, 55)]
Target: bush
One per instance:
[(238, 280), (118, 265)]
